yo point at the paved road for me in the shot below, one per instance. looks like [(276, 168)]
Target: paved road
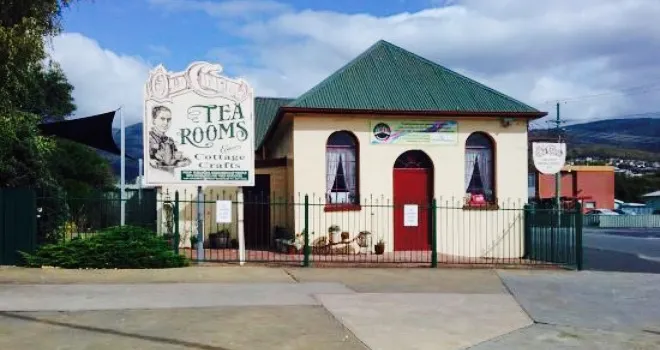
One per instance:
[(624, 250)]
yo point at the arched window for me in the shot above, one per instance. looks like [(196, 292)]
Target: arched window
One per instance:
[(341, 159), (480, 166)]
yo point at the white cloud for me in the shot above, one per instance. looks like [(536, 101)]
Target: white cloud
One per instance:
[(103, 80), (534, 51), (227, 8)]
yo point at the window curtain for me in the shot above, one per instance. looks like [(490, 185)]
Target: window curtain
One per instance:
[(470, 160), (332, 163), (485, 161), (348, 163)]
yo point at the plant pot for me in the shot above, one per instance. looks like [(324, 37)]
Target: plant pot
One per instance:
[(379, 249), (333, 236), (214, 241)]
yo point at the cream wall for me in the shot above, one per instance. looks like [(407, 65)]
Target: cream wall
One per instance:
[(281, 202), (188, 210), (461, 232)]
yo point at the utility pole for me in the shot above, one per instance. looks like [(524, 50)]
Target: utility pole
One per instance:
[(558, 174)]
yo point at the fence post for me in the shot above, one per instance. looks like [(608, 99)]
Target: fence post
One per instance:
[(527, 237), (175, 218), (306, 233), (578, 236), (434, 234)]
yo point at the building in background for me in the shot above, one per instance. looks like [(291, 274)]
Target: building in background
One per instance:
[(652, 200), (632, 208), (593, 186)]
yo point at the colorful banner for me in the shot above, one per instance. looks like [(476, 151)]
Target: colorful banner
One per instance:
[(414, 132), (198, 128)]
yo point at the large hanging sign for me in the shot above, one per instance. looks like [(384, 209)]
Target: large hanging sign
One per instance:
[(198, 128), (414, 132), (549, 158)]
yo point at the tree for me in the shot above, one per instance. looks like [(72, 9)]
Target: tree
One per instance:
[(23, 153), (25, 27), (32, 91), (49, 93), (631, 189)]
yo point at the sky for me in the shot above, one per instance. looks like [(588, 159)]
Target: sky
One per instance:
[(599, 58)]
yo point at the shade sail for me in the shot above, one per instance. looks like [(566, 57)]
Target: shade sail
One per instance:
[(94, 131)]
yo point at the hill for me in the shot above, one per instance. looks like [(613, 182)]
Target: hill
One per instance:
[(625, 138), (133, 152)]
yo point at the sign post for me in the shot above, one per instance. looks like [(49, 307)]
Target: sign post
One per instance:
[(549, 158), (198, 130)]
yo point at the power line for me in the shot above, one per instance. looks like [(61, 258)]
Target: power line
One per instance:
[(625, 92)]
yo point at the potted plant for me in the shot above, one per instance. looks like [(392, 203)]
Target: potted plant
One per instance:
[(224, 238), (193, 242), (214, 241), (379, 248), (333, 230)]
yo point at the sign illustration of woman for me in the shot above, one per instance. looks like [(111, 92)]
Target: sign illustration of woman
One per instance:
[(163, 153)]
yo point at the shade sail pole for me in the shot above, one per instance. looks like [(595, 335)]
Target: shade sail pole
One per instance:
[(122, 181)]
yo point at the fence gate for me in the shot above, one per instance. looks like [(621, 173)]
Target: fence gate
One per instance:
[(18, 223), (554, 236)]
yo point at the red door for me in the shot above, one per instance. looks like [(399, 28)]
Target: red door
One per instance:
[(411, 194)]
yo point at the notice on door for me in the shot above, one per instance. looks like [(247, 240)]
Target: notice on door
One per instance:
[(223, 212), (410, 215)]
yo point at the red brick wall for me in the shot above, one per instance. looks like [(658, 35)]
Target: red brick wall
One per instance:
[(599, 185)]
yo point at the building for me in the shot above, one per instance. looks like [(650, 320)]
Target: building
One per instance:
[(652, 200), (399, 128), (632, 208), (592, 185)]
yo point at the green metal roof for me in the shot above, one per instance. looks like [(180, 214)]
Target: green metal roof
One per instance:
[(387, 77), (265, 110)]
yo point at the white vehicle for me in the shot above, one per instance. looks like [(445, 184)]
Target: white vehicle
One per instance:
[(602, 212)]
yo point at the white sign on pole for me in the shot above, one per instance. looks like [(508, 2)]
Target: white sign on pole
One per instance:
[(410, 215), (223, 212), (198, 128), (548, 157)]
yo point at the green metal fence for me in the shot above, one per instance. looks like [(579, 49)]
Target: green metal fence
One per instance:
[(17, 224), (307, 231), (65, 217), (554, 236)]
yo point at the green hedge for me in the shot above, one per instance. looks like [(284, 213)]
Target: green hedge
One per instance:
[(124, 247)]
